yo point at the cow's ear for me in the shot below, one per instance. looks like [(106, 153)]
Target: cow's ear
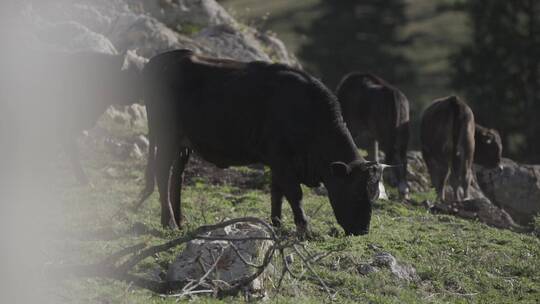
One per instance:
[(340, 169)]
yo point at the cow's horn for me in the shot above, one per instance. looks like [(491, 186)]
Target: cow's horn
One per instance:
[(384, 166)]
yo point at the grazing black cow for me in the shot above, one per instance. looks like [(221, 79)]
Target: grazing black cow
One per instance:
[(488, 147), (235, 113), (447, 135), (369, 104), (78, 88)]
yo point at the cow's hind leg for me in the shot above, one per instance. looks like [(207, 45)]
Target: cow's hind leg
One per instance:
[(70, 145), (373, 151), (177, 178), (165, 156), (437, 174)]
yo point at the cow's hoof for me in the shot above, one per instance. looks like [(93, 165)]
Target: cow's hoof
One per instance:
[(406, 197), (172, 225), (303, 232)]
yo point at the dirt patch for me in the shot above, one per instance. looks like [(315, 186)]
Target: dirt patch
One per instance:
[(250, 177)]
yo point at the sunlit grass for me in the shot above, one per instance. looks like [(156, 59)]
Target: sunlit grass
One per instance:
[(457, 260)]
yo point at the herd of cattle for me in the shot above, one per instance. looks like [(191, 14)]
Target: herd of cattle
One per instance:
[(234, 113)]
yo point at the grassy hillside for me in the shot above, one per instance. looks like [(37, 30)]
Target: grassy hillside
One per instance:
[(456, 260)]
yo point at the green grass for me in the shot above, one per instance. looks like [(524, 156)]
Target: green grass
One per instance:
[(457, 260)]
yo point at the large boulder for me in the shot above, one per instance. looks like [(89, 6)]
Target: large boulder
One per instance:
[(417, 172), (480, 206), (178, 13), (228, 41), (150, 27), (516, 189), (220, 258)]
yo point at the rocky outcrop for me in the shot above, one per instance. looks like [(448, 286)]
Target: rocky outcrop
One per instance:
[(228, 41), (516, 189), (417, 172), (191, 13), (479, 208), (486, 194), (150, 27)]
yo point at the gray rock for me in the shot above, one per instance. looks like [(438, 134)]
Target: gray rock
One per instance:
[(276, 49), (516, 189), (145, 34), (227, 41), (417, 173), (142, 142), (174, 13), (200, 255), (73, 36), (479, 208), (136, 152), (116, 148), (117, 116), (137, 113), (365, 269), (151, 27), (401, 271)]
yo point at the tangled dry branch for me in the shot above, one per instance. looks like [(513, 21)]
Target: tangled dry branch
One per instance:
[(112, 267)]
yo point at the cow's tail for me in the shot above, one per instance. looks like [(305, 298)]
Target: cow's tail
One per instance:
[(149, 173), (458, 131), (461, 143)]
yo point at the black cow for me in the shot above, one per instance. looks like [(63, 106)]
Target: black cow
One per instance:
[(234, 113), (488, 147), (447, 135), (371, 104), (77, 88)]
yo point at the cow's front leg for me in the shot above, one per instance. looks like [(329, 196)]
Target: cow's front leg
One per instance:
[(70, 145), (293, 193), (438, 175), (399, 160)]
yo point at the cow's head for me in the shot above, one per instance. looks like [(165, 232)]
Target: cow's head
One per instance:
[(352, 188), (488, 147)]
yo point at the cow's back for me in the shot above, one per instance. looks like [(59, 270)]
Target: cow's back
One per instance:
[(369, 103), (442, 123), (237, 113)]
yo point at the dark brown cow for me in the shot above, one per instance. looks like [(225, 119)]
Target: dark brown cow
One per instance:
[(235, 113), (488, 147), (447, 135), (371, 105)]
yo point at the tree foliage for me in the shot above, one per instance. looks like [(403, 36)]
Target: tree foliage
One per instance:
[(499, 71), (357, 35)]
